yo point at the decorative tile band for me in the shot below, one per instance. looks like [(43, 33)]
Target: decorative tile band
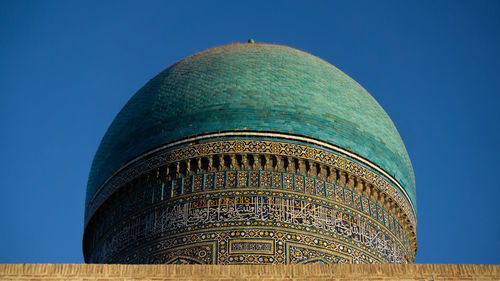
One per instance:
[(196, 203), (159, 158), (252, 246), (290, 248), (381, 249)]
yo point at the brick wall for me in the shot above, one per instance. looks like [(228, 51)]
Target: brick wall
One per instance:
[(80, 272)]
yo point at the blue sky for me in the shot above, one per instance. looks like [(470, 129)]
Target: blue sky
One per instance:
[(67, 68)]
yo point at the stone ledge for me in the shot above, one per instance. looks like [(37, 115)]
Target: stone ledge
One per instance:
[(112, 272)]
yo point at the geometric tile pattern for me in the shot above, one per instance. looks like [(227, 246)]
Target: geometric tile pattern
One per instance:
[(270, 147), (236, 223)]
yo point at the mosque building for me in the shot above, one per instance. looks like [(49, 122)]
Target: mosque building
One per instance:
[(251, 154)]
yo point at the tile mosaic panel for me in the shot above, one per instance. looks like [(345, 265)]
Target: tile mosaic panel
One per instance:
[(276, 209), (250, 146)]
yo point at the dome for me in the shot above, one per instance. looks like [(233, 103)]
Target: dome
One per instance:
[(251, 153), (254, 87)]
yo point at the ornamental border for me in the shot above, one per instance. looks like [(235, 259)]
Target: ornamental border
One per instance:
[(340, 207), (135, 168), (376, 257), (317, 249)]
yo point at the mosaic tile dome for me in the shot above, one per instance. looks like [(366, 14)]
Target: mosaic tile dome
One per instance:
[(253, 87), (250, 92)]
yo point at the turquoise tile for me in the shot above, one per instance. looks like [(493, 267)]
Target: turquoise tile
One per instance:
[(257, 87)]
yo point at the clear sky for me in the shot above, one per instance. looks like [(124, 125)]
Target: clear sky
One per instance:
[(67, 68)]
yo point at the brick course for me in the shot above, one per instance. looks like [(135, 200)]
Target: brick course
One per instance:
[(381, 272)]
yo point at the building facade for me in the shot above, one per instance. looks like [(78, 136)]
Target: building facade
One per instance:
[(251, 154)]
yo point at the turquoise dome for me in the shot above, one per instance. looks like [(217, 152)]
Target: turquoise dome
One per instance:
[(253, 87)]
